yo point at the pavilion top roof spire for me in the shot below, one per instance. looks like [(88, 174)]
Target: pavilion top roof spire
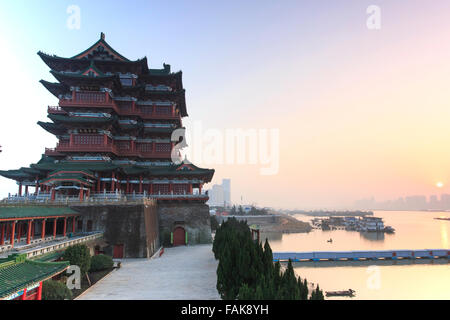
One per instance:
[(100, 50)]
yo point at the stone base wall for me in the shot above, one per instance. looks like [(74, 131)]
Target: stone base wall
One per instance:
[(194, 218), (143, 228), (133, 226)]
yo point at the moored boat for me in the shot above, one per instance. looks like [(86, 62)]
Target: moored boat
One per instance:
[(344, 293)]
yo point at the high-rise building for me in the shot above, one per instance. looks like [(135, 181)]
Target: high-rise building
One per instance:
[(220, 194), (226, 185)]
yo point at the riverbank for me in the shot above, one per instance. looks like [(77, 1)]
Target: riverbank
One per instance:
[(285, 224)]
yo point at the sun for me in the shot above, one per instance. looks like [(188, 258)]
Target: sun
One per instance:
[(439, 184)]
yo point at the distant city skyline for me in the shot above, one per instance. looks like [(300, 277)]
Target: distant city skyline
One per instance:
[(413, 202)]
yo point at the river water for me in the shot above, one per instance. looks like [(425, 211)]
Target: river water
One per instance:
[(424, 279)]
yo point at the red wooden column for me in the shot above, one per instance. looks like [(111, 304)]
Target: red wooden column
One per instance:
[(81, 193), (112, 182), (24, 296), (13, 230), (140, 184), (19, 231), (65, 227), (53, 194), (190, 188), (39, 292), (150, 188), (128, 185), (30, 223), (32, 230), (2, 239), (98, 184), (73, 224), (43, 229), (54, 228), (200, 189)]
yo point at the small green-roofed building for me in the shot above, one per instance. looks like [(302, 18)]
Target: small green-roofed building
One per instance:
[(21, 279), (27, 212)]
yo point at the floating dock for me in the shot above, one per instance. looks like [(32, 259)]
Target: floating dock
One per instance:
[(361, 255)]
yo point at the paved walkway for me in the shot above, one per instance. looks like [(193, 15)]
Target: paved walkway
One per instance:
[(180, 273)]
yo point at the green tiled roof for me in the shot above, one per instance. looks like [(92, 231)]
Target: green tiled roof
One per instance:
[(61, 118), (48, 164), (17, 273), (48, 257), (67, 177), (18, 211)]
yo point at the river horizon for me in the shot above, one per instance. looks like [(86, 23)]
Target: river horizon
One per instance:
[(409, 279)]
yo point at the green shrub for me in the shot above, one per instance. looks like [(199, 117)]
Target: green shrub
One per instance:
[(214, 223), (165, 239), (78, 255), (101, 262), (55, 290)]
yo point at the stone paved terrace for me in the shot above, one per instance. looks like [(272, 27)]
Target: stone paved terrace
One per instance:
[(180, 273)]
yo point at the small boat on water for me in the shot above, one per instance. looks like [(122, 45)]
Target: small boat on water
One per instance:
[(331, 240), (389, 229), (344, 293), (445, 219)]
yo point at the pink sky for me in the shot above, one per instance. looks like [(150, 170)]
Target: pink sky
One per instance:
[(360, 112)]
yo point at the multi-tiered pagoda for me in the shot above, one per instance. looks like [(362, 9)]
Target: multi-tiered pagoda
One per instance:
[(114, 124)]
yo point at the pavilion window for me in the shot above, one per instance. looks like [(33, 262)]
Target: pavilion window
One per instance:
[(161, 189), (144, 147), (181, 188), (90, 96), (163, 110), (87, 139), (163, 147), (125, 105), (123, 145), (146, 109)]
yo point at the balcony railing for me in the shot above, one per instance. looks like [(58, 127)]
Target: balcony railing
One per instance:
[(104, 197), (88, 99), (102, 100), (86, 148), (52, 152), (55, 110), (61, 148)]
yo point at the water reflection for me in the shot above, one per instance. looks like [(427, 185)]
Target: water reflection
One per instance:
[(372, 236), (399, 279)]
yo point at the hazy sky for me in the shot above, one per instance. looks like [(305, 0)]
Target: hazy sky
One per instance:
[(360, 112)]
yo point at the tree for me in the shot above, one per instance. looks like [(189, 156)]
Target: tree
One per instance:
[(101, 262), (55, 290), (78, 255), (214, 223), (246, 270)]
